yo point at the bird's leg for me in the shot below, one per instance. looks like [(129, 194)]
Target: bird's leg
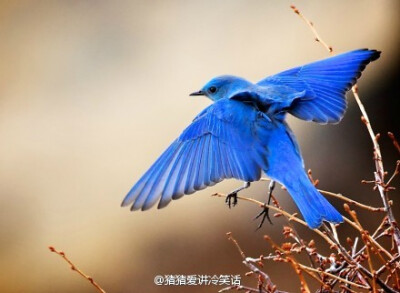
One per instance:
[(234, 193), (265, 210)]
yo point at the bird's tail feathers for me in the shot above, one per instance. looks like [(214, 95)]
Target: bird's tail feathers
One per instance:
[(313, 206)]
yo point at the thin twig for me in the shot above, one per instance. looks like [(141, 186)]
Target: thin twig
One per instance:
[(351, 201), (292, 261), (256, 270), (395, 173), (314, 31), (355, 226), (230, 237), (364, 238), (285, 213), (361, 268), (353, 250), (346, 199), (332, 276), (311, 269), (247, 261), (74, 268), (297, 268), (384, 267), (394, 140)]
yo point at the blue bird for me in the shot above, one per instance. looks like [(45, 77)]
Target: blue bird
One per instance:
[(243, 133)]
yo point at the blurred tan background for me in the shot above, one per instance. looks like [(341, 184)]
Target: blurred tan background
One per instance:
[(91, 92)]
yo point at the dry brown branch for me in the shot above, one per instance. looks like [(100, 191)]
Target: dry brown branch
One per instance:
[(395, 173), (351, 201), (76, 269), (298, 265), (230, 237), (394, 140), (361, 269), (380, 171), (333, 276), (291, 217), (297, 268), (365, 239), (386, 266), (350, 270), (357, 225), (248, 263), (327, 237), (314, 31), (347, 199)]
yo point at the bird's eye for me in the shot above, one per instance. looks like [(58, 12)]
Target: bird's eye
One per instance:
[(212, 89)]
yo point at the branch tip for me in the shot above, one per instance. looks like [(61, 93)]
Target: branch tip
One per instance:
[(74, 268)]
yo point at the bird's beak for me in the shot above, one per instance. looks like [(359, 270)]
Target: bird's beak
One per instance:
[(199, 93)]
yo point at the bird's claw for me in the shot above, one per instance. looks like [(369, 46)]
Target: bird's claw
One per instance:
[(229, 197), (265, 214)]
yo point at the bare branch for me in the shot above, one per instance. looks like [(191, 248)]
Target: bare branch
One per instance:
[(351, 201), (380, 171), (291, 217), (344, 267), (314, 31), (394, 140), (74, 268)]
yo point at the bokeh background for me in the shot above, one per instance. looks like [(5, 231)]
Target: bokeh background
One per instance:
[(91, 92)]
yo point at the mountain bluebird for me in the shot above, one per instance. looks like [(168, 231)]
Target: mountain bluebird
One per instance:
[(244, 133)]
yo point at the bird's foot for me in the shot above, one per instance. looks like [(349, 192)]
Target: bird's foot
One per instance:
[(231, 198), (265, 215), (233, 195)]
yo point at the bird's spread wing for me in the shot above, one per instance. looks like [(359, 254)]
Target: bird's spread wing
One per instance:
[(220, 143), (323, 84)]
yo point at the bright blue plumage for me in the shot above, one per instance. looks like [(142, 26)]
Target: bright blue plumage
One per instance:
[(323, 85), (243, 133)]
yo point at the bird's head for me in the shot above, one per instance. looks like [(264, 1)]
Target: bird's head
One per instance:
[(222, 87)]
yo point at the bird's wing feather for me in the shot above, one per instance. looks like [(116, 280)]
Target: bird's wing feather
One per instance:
[(220, 143), (325, 83)]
